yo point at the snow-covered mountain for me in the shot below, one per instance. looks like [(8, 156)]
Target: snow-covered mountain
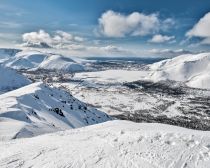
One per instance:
[(10, 79), (25, 60), (34, 60), (37, 108), (61, 63), (192, 69), (111, 144), (7, 52)]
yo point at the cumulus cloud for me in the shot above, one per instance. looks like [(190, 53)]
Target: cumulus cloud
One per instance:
[(158, 38), (113, 24), (42, 39), (201, 29)]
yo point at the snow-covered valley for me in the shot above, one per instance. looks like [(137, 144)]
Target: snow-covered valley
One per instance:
[(58, 111), (166, 102)]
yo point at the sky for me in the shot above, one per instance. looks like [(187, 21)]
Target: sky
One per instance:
[(107, 27)]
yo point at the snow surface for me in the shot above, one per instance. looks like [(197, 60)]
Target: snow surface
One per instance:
[(30, 111), (111, 144), (58, 62), (25, 60), (10, 79), (34, 60), (7, 52), (192, 69), (112, 76)]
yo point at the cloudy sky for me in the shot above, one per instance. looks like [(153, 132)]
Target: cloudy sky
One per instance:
[(107, 27)]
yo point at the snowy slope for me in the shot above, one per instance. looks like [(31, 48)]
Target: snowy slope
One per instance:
[(25, 60), (10, 79), (33, 60), (111, 144), (36, 109), (58, 62), (7, 52), (193, 69)]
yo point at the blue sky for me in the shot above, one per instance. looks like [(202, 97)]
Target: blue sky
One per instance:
[(103, 27)]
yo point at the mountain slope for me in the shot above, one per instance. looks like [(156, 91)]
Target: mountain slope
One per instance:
[(36, 109), (7, 52), (61, 63), (10, 79), (192, 69), (111, 144), (34, 60), (25, 60)]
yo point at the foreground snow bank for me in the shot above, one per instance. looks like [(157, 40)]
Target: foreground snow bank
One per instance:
[(36, 109), (111, 144)]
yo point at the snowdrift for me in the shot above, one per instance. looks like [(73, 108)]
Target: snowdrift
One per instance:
[(111, 144), (192, 69), (37, 108)]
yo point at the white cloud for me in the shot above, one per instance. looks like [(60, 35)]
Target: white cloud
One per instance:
[(201, 29), (65, 42), (57, 40), (113, 24), (158, 38), (35, 37)]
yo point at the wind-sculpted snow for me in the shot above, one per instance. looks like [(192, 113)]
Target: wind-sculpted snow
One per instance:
[(111, 144), (37, 108), (10, 79)]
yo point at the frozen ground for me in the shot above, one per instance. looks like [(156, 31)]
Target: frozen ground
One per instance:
[(117, 93), (111, 144)]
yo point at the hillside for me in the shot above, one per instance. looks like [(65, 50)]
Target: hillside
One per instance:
[(111, 144), (34, 60), (10, 79), (36, 109), (61, 63), (7, 52), (192, 69)]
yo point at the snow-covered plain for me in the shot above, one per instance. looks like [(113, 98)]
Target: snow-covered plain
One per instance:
[(111, 144), (37, 109)]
